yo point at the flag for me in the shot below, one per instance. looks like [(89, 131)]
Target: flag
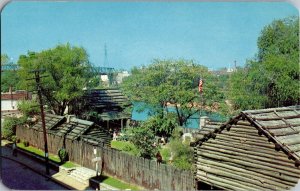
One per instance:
[(200, 87)]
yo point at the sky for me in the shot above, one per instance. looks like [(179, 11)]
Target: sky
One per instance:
[(214, 34)]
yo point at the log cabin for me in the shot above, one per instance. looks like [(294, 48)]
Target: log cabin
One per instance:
[(107, 108), (256, 150)]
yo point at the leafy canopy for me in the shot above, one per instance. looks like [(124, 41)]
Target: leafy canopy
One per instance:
[(171, 82), (272, 79), (9, 78), (143, 139), (68, 71)]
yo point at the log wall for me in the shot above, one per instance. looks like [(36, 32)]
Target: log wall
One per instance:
[(131, 169), (240, 159)]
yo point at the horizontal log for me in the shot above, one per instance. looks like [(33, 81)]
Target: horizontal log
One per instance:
[(240, 129), (252, 163), (239, 152), (244, 123), (243, 140), (240, 135), (263, 177), (249, 181), (234, 183), (251, 150)]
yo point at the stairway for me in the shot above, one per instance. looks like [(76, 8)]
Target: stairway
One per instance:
[(82, 174)]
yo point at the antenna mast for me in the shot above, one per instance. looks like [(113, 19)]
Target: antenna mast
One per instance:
[(105, 56)]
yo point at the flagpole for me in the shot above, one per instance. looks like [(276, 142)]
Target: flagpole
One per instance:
[(200, 89)]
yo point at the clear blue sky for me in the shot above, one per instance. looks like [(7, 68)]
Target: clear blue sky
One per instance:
[(213, 34)]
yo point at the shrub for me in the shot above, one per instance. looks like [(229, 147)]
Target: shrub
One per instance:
[(63, 155), (143, 139), (183, 154), (28, 107), (8, 129), (14, 139), (25, 143), (166, 154)]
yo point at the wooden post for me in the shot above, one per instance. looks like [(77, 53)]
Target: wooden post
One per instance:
[(37, 79)]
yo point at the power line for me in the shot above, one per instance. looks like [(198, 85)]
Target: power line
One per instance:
[(39, 91)]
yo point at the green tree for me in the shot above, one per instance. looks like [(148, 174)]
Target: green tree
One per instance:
[(172, 82), (67, 70), (144, 140), (272, 79), (8, 130), (182, 153), (162, 126), (9, 78), (28, 108)]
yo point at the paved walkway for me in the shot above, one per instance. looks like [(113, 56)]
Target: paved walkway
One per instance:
[(17, 176), (71, 182)]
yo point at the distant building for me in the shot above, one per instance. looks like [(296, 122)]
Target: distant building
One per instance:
[(121, 76), (9, 100)]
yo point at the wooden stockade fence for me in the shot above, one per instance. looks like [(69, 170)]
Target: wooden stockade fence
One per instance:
[(131, 169)]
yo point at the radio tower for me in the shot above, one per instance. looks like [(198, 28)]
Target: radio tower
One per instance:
[(105, 56)]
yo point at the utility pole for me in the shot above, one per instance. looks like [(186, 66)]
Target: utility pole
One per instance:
[(39, 91)]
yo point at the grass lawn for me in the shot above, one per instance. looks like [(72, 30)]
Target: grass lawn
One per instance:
[(117, 183), (125, 146), (53, 158)]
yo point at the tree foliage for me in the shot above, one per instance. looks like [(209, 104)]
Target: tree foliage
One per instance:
[(171, 83), (8, 129), (143, 139), (9, 78), (162, 126), (272, 79), (182, 154), (28, 107), (67, 69)]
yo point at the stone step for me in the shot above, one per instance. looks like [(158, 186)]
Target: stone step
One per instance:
[(78, 179), (82, 174)]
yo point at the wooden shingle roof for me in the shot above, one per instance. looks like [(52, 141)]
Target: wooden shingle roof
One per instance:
[(281, 126), (74, 128), (254, 150), (51, 122), (97, 135), (106, 98)]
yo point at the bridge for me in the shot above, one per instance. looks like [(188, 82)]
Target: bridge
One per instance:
[(10, 66), (98, 70), (103, 70)]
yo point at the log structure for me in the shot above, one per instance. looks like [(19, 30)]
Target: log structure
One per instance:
[(108, 106), (74, 129), (256, 150)]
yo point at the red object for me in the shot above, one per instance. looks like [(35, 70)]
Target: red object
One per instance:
[(200, 87)]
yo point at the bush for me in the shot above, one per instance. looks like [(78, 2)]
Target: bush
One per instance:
[(25, 143), (144, 140), (183, 154), (166, 154), (28, 107), (63, 155), (8, 129)]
